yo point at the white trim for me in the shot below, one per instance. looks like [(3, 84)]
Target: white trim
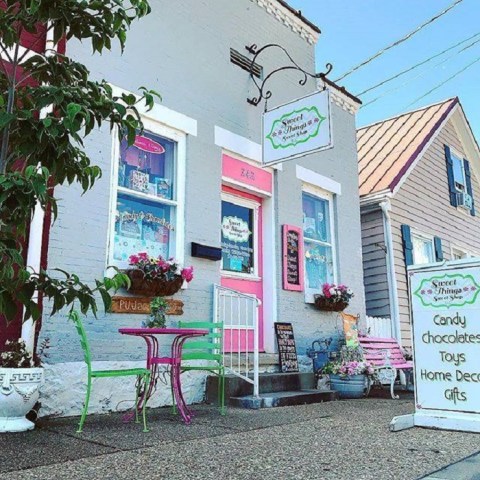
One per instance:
[(162, 114), (289, 19), (324, 195), (178, 205), (313, 178), (468, 252), (238, 144), (270, 238), (424, 150), (392, 278)]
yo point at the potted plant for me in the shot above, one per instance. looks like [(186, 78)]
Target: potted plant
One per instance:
[(20, 379), (151, 276), (158, 310), (349, 376), (334, 298)]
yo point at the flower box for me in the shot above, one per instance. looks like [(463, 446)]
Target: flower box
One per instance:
[(155, 287), (323, 303)]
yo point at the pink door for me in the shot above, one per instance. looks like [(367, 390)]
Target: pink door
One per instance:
[(241, 266)]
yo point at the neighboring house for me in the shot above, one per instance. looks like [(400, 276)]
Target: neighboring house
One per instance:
[(419, 184), (204, 172)]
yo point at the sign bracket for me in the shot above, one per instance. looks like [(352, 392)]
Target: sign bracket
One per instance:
[(263, 92)]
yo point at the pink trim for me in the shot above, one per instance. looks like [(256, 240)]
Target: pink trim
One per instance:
[(247, 174), (286, 284)]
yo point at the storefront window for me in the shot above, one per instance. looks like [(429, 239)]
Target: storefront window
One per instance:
[(145, 209), (318, 247), (237, 238)]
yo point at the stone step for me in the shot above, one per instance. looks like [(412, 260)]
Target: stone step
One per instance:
[(268, 382), (283, 399)]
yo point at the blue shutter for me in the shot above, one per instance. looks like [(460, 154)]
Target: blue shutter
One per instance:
[(437, 241), (468, 179), (451, 181), (407, 245)]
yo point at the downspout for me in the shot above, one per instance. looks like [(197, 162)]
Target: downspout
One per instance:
[(392, 280), (34, 250)]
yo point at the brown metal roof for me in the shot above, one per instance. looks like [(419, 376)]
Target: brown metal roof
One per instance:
[(388, 148)]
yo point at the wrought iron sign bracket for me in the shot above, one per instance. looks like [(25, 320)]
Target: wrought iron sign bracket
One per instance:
[(263, 92)]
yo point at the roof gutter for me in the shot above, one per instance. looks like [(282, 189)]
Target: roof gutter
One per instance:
[(392, 280)]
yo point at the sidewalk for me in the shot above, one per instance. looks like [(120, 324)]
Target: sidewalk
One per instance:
[(466, 469), (345, 440)]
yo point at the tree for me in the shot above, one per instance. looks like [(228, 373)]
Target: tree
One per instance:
[(48, 105)]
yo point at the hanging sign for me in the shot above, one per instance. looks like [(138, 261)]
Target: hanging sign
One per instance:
[(445, 305), (292, 258), (287, 351), (296, 129)]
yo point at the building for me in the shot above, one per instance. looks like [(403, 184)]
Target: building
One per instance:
[(205, 172), (419, 181)]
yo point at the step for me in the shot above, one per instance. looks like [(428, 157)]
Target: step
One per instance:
[(267, 382), (284, 399)]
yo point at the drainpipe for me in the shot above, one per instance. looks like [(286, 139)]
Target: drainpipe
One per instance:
[(34, 251), (392, 280)]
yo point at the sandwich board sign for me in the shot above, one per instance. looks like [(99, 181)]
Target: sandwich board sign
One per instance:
[(445, 307), (297, 128)]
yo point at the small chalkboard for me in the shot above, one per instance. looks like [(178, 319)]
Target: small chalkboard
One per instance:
[(292, 258), (287, 351)]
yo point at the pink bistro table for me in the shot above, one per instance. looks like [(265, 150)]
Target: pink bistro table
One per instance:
[(174, 360)]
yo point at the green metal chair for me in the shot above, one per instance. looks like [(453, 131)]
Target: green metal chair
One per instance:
[(142, 374), (207, 348)]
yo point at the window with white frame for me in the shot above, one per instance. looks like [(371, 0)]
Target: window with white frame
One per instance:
[(423, 249), (146, 198), (459, 253), (319, 246), (458, 172)]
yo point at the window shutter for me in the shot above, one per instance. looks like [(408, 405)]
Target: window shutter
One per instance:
[(451, 181), (437, 241), (407, 245), (468, 179)]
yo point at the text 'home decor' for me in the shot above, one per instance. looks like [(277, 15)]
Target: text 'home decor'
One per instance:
[(287, 351), (297, 128), (445, 305)]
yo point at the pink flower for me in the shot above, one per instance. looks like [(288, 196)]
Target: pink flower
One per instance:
[(143, 256), (133, 260), (187, 274)]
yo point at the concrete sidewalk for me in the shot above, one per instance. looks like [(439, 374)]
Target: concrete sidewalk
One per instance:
[(466, 469), (345, 440)]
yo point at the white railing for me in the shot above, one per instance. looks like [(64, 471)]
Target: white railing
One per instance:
[(239, 313), (379, 327)]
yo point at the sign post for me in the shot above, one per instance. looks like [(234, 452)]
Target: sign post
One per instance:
[(445, 305), (297, 128)]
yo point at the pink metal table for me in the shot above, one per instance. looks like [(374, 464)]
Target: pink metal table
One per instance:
[(174, 360)]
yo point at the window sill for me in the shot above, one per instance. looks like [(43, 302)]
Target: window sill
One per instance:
[(241, 276)]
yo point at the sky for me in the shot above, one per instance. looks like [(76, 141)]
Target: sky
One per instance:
[(354, 30)]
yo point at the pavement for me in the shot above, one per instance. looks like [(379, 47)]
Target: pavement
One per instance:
[(343, 440)]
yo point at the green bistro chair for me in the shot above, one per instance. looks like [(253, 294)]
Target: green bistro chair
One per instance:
[(208, 348), (142, 374)]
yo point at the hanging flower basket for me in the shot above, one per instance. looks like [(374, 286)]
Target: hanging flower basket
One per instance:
[(156, 287), (325, 304)]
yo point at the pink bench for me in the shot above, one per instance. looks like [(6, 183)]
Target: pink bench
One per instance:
[(387, 357)]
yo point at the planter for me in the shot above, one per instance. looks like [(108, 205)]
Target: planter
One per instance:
[(353, 386), (322, 303), (19, 391), (152, 288)]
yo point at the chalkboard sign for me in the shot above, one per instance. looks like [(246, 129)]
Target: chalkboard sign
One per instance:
[(292, 258), (287, 351)]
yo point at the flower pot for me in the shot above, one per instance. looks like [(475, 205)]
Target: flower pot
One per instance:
[(152, 288), (353, 386), (19, 391), (322, 303)]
